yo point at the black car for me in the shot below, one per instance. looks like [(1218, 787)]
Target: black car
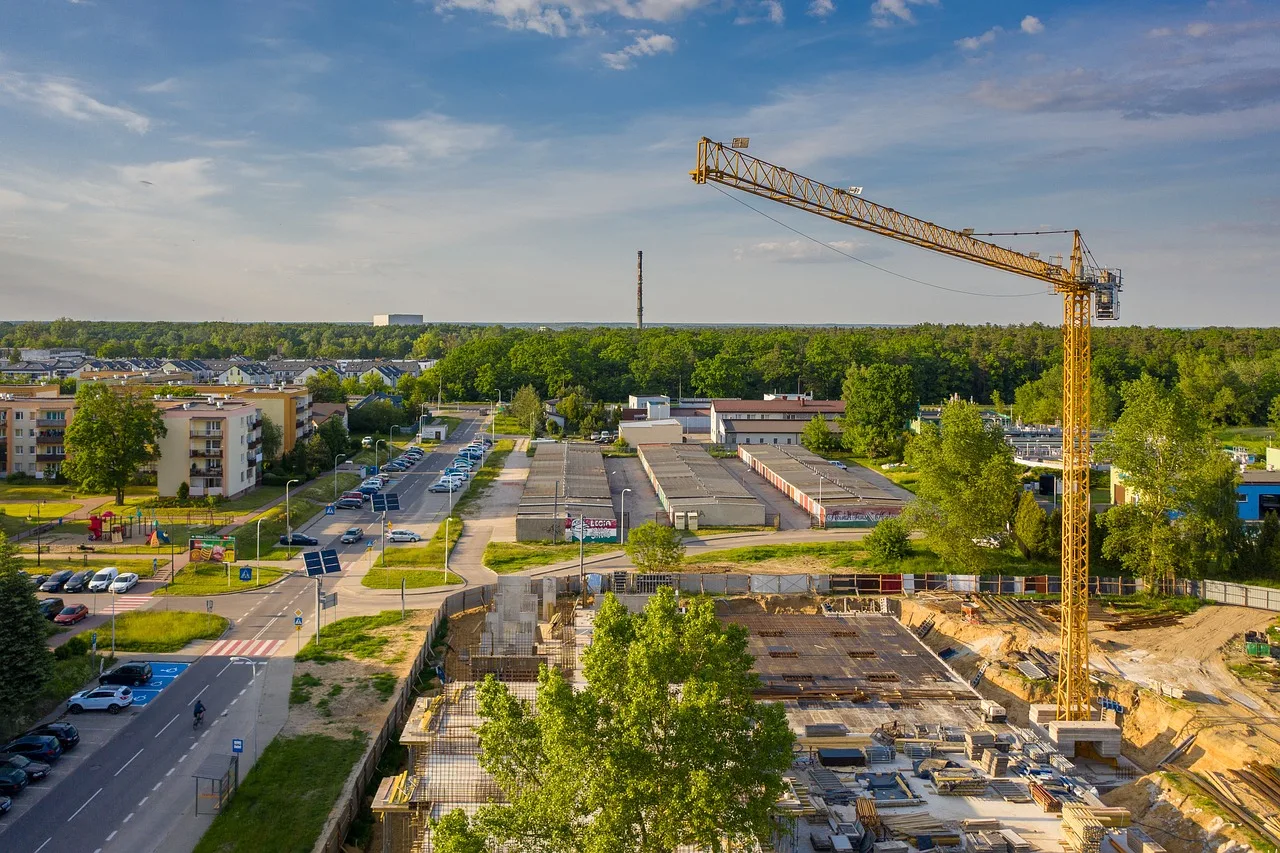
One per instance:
[(68, 736), (131, 674), (35, 770), (36, 747), (12, 780), (36, 580), (56, 581), (51, 607), (349, 503), (79, 581), (299, 539)]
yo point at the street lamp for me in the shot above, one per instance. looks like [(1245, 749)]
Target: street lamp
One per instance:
[(258, 558), (822, 516), (390, 446), (38, 505), (622, 522), (288, 526), (335, 475), (257, 711), (447, 519), (375, 453)]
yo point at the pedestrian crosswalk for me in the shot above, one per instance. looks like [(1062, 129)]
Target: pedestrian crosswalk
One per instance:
[(124, 603), (244, 648)]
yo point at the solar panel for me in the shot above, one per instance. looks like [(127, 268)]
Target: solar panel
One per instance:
[(329, 559), (313, 563), (387, 502)]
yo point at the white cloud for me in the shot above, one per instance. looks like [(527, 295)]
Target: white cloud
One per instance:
[(1032, 26), (975, 42), (645, 44), (571, 16), (1199, 29), (1159, 33), (430, 137), (176, 181), (802, 251), (61, 96), (821, 8), (886, 13), (164, 87)]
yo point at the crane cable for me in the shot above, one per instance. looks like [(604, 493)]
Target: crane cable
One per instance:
[(868, 263)]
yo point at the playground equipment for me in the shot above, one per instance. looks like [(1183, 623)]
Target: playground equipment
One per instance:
[(109, 526)]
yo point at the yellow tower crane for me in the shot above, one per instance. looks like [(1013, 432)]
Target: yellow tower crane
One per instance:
[(1079, 282)]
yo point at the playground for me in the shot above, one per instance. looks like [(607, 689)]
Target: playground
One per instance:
[(130, 530)]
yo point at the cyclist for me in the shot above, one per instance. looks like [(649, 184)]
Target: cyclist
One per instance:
[(197, 713)]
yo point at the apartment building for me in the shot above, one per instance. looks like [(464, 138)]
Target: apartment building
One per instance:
[(214, 446), (32, 430), (289, 407)]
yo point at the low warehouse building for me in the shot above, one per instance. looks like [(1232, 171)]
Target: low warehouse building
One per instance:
[(566, 481), (833, 496), (666, 431), (696, 490)]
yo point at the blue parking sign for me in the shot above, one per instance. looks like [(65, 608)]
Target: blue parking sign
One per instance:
[(237, 745), (246, 573)]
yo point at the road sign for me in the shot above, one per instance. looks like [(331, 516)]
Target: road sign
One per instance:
[(208, 605), (329, 599), (329, 560), (330, 509), (297, 621), (311, 560), (237, 745), (93, 639), (298, 613), (368, 546), (246, 573)]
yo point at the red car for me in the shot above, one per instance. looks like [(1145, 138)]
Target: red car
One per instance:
[(71, 614)]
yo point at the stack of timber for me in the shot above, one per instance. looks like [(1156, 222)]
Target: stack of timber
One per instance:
[(1011, 791), (995, 763), (960, 782), (1047, 801), (1138, 623), (1086, 826), (975, 743), (868, 814)]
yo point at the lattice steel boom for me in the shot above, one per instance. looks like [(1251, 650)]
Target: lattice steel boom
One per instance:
[(1078, 283)]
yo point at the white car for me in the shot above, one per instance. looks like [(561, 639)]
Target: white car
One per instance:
[(125, 582), (839, 464), (110, 699), (103, 579), (403, 536)]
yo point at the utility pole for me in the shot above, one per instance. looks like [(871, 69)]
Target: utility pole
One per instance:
[(640, 290)]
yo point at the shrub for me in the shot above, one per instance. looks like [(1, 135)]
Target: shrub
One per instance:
[(75, 647), (270, 479), (889, 542), (184, 492), (20, 478)]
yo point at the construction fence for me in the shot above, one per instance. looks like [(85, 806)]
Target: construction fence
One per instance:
[(858, 584)]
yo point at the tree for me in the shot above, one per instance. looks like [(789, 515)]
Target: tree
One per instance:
[(453, 833), (879, 400), (333, 436), (326, 387), (663, 747), (655, 548), (112, 434), (272, 439), (184, 491), (526, 408), (27, 661), (1184, 521), (1030, 527), (574, 407), (967, 483), (818, 437), (1273, 414), (889, 541)]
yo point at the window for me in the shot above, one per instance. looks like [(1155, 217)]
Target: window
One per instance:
[(19, 449), (788, 441), (775, 439), (1241, 497), (17, 416)]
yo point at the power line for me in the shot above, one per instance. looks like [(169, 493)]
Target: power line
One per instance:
[(868, 263)]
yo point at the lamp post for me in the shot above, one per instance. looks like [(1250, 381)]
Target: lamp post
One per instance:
[(822, 520), (390, 446), (335, 475), (258, 558), (375, 454), (622, 522), (38, 505), (447, 519), (288, 526)]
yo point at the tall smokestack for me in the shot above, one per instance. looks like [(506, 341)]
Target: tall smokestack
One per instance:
[(639, 289)]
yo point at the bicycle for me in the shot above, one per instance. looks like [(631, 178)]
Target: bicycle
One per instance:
[(195, 723)]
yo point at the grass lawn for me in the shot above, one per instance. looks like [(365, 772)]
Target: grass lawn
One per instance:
[(252, 500), (504, 423), (851, 556), (413, 578), (50, 563), (1254, 438), (19, 516), (211, 579), (165, 630), (482, 479), (304, 504), (137, 544), (713, 530), (283, 803), (428, 556), (350, 638), (507, 557)]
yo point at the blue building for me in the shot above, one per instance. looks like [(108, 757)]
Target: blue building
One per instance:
[(1257, 494)]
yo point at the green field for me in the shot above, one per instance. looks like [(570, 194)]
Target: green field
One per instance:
[(851, 556), (211, 579), (284, 801), (507, 557), (413, 578), (428, 556), (504, 424), (17, 516), (165, 630), (350, 638)]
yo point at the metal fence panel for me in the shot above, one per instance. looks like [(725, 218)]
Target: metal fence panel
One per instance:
[(737, 584)]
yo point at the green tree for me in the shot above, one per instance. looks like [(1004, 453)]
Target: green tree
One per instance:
[(818, 437), (889, 541), (272, 439), (574, 407), (326, 387), (333, 436), (879, 400), (453, 833), (112, 434), (663, 747), (1030, 527), (352, 387), (1273, 413), (526, 408), (27, 661), (653, 547), (1184, 521), (967, 483), (184, 491)]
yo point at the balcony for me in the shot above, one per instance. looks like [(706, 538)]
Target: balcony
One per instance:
[(254, 443), (51, 457), (255, 425), (207, 454), (301, 423), (206, 433), (50, 438), (51, 422)]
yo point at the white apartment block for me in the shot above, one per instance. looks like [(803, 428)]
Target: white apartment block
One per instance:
[(214, 447)]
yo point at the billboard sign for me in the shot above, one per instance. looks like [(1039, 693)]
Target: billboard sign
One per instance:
[(860, 516), (591, 529), (212, 549)]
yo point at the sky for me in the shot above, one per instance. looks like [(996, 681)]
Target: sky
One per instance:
[(503, 160)]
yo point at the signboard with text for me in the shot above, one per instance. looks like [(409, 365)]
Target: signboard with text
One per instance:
[(860, 516), (212, 549), (591, 529)]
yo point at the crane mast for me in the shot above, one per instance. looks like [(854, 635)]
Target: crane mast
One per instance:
[(1079, 282)]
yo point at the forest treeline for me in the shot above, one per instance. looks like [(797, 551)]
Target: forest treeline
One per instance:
[(1232, 374)]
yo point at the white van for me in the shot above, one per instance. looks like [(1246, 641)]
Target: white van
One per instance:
[(103, 579)]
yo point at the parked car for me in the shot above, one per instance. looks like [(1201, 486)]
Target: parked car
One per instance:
[(460, 473), (391, 469), (36, 580), (350, 503), (125, 582), (299, 539), (416, 452), (35, 770), (441, 486), (839, 464), (403, 536), (12, 780), (369, 488), (71, 614), (36, 747), (68, 735), (5, 804), (463, 462), (353, 534), (57, 581), (131, 674), (109, 699), (51, 607), (79, 581), (103, 579)]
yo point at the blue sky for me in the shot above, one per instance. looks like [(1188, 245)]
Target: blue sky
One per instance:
[(502, 160)]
